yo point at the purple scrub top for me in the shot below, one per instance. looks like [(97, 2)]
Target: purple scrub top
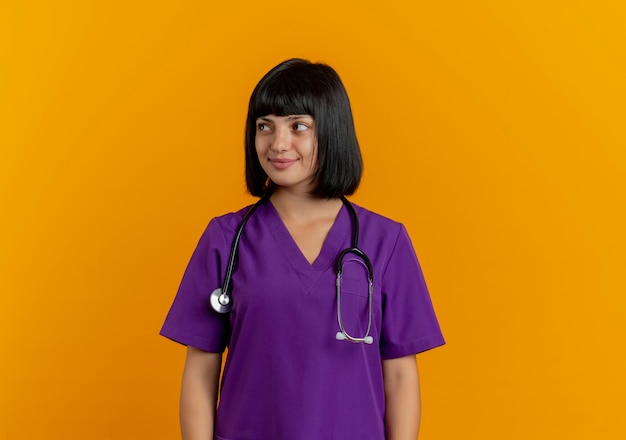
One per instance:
[(286, 377)]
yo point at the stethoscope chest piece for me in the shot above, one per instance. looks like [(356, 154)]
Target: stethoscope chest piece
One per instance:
[(220, 301)]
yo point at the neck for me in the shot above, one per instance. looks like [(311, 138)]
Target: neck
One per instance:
[(303, 206)]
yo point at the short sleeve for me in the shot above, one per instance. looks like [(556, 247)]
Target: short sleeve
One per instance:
[(409, 323), (191, 320)]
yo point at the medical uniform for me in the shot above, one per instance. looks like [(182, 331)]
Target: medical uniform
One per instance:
[(286, 375)]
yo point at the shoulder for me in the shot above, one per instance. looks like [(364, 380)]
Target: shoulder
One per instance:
[(231, 220), (225, 225), (378, 231), (387, 243), (374, 216), (375, 221)]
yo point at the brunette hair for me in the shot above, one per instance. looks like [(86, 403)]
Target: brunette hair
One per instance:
[(298, 87)]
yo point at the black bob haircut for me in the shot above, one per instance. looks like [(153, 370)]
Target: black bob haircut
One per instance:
[(299, 87)]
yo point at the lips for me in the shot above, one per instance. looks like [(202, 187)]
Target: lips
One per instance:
[(282, 164)]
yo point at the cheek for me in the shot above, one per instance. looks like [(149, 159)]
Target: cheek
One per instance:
[(261, 154), (259, 148), (313, 156)]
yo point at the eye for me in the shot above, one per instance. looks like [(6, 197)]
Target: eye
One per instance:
[(262, 127), (300, 126)]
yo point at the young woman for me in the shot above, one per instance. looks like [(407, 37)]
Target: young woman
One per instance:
[(321, 304)]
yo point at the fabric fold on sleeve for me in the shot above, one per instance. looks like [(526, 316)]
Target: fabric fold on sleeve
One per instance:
[(191, 320), (410, 325)]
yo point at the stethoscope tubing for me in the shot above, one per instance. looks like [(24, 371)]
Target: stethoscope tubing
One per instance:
[(235, 245), (221, 298)]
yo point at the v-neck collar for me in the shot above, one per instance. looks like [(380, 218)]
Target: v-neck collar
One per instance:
[(330, 249)]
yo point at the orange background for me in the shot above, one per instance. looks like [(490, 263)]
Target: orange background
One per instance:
[(494, 130)]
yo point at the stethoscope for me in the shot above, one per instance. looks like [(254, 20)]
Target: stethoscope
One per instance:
[(222, 299)]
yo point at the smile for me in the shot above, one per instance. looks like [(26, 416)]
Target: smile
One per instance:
[(282, 164)]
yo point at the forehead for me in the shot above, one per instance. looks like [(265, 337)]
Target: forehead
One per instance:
[(286, 118)]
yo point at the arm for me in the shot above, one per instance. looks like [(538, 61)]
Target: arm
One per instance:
[(402, 398), (198, 397)]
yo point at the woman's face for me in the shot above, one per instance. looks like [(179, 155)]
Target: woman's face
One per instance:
[(287, 150)]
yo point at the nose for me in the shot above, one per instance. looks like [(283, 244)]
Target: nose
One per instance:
[(282, 139)]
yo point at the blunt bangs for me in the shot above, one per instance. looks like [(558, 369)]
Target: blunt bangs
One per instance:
[(282, 97), (299, 87)]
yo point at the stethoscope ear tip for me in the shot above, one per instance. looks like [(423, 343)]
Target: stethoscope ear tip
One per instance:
[(341, 336)]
